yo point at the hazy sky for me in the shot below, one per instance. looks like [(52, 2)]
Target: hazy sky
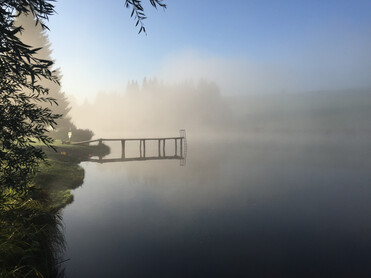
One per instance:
[(245, 46)]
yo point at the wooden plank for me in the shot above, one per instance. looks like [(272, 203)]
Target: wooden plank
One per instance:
[(126, 139), (84, 142), (137, 139), (108, 160)]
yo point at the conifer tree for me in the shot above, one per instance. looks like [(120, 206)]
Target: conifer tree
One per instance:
[(35, 36)]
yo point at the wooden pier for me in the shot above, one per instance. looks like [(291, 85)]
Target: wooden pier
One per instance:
[(179, 148)]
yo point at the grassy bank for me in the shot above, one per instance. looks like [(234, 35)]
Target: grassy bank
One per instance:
[(30, 234)]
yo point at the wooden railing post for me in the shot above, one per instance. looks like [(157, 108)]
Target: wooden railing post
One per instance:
[(176, 147), (181, 147), (123, 149), (164, 147)]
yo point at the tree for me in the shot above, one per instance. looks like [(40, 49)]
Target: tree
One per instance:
[(35, 36), (22, 117), (22, 120)]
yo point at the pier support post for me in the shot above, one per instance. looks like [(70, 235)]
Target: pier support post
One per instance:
[(181, 147), (123, 149)]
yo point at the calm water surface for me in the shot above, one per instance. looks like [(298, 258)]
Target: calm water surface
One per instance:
[(258, 207)]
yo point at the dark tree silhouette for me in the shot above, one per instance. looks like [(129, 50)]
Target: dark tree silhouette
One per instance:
[(35, 36), (22, 120)]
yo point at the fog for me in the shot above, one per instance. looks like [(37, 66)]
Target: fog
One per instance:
[(323, 88), (322, 64), (271, 177), (153, 108)]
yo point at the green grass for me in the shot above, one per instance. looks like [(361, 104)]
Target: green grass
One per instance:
[(30, 235), (56, 178)]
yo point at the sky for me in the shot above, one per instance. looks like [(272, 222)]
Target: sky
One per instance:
[(245, 46)]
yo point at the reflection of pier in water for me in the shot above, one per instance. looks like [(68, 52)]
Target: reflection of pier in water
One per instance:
[(180, 149)]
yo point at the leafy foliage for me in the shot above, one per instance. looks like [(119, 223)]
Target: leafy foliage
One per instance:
[(138, 11), (22, 119)]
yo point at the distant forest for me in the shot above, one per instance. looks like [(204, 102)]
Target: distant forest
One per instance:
[(154, 107)]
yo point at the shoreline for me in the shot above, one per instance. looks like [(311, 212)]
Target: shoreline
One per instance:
[(61, 172)]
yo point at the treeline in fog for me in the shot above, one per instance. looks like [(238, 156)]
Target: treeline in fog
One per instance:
[(321, 112), (154, 107)]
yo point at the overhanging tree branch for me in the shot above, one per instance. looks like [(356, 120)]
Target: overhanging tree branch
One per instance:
[(138, 11)]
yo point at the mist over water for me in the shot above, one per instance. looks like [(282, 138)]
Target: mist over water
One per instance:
[(154, 108), (258, 207), (276, 184), (276, 181)]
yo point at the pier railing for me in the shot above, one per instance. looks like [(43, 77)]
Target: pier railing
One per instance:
[(180, 148)]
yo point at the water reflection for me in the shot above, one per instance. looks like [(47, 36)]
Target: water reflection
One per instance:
[(101, 159), (259, 207)]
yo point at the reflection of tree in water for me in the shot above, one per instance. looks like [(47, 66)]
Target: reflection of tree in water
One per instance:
[(31, 238)]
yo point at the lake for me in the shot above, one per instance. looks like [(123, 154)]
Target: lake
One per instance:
[(253, 206)]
